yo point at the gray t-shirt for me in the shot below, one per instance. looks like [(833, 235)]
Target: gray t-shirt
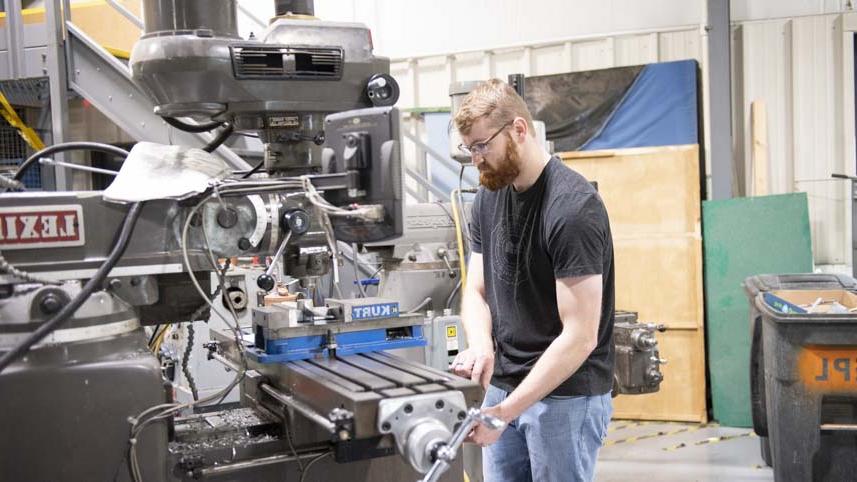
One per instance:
[(557, 228)]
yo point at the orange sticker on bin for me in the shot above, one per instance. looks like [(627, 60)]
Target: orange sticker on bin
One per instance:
[(829, 369)]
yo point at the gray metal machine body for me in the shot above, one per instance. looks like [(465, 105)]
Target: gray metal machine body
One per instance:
[(191, 62), (77, 391), (638, 361)]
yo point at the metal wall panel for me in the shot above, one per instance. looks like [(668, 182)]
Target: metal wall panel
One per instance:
[(472, 66), (635, 50), (766, 70), (591, 55), (507, 62), (680, 45), (549, 60), (814, 131), (425, 84), (434, 79)]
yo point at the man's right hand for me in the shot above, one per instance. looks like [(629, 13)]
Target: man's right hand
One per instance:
[(477, 365)]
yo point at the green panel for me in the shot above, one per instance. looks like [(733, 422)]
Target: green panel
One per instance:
[(745, 237)]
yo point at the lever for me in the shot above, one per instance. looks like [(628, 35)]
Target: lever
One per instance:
[(444, 255), (266, 281), (446, 452)]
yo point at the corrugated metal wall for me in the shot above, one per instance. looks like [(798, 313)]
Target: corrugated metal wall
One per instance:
[(801, 67)]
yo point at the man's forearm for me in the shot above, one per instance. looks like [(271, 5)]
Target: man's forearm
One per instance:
[(561, 359), (476, 319)]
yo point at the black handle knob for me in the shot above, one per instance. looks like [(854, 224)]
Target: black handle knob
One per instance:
[(265, 282), (297, 221)]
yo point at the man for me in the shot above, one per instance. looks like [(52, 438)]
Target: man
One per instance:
[(539, 302)]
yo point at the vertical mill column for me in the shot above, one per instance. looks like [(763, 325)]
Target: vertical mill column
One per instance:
[(217, 16), (298, 7)]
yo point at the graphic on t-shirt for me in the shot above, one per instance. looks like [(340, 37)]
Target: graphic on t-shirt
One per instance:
[(510, 251)]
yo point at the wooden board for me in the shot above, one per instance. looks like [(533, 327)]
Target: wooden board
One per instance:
[(759, 154), (745, 237), (653, 200)]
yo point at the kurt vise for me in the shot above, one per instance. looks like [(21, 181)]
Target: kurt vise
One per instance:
[(298, 330)]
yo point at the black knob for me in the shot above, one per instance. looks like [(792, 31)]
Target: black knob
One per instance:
[(244, 244), (51, 304), (227, 218), (297, 220), (382, 90), (265, 282)]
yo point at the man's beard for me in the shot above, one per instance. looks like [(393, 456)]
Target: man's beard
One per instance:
[(494, 178)]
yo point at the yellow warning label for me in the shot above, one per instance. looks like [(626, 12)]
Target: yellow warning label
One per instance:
[(451, 331)]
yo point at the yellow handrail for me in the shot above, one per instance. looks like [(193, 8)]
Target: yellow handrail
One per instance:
[(458, 238), (26, 132)]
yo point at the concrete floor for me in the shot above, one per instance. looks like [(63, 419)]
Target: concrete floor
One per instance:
[(680, 452)]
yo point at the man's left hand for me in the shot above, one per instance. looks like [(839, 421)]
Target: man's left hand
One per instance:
[(483, 435)]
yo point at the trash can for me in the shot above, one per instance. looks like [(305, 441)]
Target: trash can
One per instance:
[(803, 374)]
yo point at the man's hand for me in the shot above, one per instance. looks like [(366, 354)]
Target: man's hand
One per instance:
[(485, 436), (475, 364)]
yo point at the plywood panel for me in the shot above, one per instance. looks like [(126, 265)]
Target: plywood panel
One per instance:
[(659, 178), (653, 200), (654, 277), (680, 397)]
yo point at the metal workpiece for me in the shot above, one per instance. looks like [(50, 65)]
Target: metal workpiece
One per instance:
[(421, 424), (637, 357)]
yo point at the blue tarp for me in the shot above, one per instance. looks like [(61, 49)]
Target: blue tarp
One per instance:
[(660, 109)]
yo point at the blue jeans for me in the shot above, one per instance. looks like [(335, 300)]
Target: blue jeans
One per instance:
[(556, 439)]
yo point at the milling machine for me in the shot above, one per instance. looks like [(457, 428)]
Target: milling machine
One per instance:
[(85, 274), (86, 279)]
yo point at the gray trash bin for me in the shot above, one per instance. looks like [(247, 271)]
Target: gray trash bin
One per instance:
[(803, 372)]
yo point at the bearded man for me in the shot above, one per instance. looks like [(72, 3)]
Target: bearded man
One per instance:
[(538, 306)]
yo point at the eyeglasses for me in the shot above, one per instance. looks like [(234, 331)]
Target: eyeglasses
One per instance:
[(481, 148)]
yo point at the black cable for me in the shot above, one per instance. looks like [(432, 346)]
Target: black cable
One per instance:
[(67, 146), (452, 295), (254, 170), (154, 335), (191, 383), (220, 138), (195, 128), (122, 239)]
